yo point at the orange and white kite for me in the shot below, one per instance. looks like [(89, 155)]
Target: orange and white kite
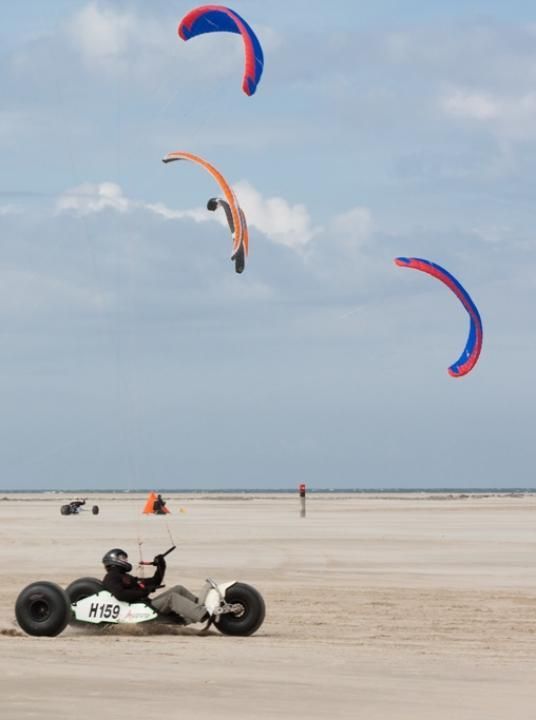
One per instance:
[(235, 216)]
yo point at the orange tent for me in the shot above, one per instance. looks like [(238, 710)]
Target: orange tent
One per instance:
[(154, 505)]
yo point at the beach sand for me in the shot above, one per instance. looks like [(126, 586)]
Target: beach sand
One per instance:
[(378, 606)]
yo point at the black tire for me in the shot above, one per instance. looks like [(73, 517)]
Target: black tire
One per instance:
[(251, 615), (43, 609), (95, 509), (83, 588), (65, 510)]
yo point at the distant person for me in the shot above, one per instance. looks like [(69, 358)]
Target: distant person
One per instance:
[(178, 600), (159, 505)]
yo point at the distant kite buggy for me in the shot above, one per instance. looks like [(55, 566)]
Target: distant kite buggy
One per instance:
[(471, 352), (216, 18), (75, 506)]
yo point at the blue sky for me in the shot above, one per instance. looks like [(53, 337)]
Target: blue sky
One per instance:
[(132, 355)]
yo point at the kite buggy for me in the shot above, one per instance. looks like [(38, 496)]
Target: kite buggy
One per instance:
[(45, 609), (74, 507)]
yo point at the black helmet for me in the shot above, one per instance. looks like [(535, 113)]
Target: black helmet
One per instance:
[(117, 558)]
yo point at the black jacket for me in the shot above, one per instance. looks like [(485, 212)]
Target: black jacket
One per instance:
[(129, 588)]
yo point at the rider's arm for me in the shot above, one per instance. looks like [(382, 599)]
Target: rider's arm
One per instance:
[(157, 578)]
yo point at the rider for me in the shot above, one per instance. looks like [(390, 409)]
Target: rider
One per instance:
[(126, 587), (159, 506)]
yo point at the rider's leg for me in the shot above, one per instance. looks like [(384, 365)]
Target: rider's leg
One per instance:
[(180, 601)]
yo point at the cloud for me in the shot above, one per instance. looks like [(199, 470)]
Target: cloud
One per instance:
[(30, 293), (101, 34), (196, 214), (510, 117), (10, 210), (11, 121), (354, 227), (90, 198), (278, 220), (274, 217), (107, 38), (349, 249), (465, 104)]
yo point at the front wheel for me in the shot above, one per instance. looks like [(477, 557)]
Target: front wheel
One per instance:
[(248, 614), (43, 609), (95, 509)]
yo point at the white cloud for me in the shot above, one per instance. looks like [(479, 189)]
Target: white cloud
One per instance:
[(274, 217), (343, 258), (26, 291), (284, 224), (511, 117), (493, 234), (109, 39), (465, 104), (94, 198), (14, 123), (353, 228), (90, 198), (10, 210), (100, 34), (197, 214), (398, 46)]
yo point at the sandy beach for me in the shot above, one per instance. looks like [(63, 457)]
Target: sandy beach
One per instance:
[(378, 606)]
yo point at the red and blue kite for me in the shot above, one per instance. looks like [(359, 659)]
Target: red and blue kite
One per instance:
[(216, 18), (469, 356)]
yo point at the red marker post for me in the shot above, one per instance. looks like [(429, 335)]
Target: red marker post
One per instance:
[(302, 499)]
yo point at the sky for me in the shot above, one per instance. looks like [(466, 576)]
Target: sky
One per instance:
[(131, 353)]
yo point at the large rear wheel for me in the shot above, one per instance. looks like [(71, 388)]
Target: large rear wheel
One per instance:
[(248, 611), (43, 609)]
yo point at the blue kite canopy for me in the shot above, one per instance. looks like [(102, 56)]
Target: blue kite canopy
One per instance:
[(467, 360), (216, 18)]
